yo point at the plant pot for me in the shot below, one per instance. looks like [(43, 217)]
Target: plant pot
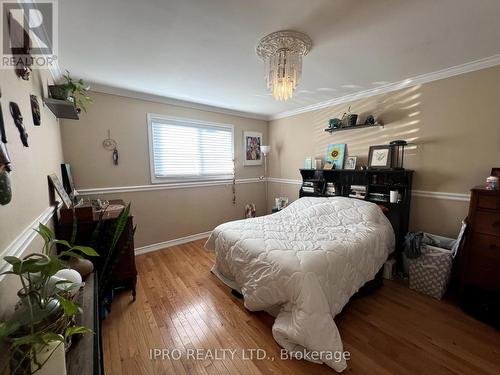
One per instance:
[(60, 92), (349, 120), (53, 357)]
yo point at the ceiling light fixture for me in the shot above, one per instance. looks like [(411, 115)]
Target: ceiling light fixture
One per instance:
[(282, 53)]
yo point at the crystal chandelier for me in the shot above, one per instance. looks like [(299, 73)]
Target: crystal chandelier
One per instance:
[(282, 53)]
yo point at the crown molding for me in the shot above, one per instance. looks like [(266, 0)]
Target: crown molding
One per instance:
[(468, 67), (472, 66), (105, 89)]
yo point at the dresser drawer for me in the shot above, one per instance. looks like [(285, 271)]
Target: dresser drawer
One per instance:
[(491, 202), (482, 266), (484, 275), (485, 247), (487, 223)]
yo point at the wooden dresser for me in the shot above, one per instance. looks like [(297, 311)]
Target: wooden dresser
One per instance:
[(480, 273), (124, 274)]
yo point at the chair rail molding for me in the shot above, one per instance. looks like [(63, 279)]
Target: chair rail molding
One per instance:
[(24, 239), (415, 193), (176, 185)]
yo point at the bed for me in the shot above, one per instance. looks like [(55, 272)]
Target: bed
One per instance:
[(302, 265)]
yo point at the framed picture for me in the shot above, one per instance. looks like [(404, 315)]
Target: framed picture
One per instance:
[(335, 155), (57, 185), (67, 178), (350, 162), (495, 172), (380, 157), (251, 148)]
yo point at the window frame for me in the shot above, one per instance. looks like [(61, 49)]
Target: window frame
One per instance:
[(186, 178)]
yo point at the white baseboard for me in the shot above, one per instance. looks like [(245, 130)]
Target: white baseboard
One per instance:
[(170, 243)]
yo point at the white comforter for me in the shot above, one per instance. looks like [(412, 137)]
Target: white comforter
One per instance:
[(303, 264)]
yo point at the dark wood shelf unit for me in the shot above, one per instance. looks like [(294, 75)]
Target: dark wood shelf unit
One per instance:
[(62, 108), (376, 181), (332, 130)]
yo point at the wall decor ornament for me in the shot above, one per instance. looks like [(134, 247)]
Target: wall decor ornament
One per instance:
[(111, 145), (282, 52), (251, 148), (35, 110), (18, 120)]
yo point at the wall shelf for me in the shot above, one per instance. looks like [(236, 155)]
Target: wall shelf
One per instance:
[(62, 108), (332, 130)]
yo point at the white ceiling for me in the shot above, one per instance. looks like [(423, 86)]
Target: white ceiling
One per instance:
[(204, 50)]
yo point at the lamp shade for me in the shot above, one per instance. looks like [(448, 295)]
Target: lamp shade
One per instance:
[(265, 149)]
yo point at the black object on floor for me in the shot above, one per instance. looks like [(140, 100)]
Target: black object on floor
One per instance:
[(237, 294), (482, 305)]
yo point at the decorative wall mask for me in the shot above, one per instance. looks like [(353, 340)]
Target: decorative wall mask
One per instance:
[(5, 166), (18, 120), (35, 110)]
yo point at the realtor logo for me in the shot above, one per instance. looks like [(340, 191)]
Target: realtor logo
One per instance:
[(29, 33)]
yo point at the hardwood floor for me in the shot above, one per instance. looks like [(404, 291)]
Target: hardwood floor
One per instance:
[(181, 305)]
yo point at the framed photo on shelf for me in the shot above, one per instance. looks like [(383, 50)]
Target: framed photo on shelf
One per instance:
[(251, 148), (58, 186), (350, 162), (335, 154), (380, 157)]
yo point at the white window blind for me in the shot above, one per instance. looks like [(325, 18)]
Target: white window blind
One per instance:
[(183, 149)]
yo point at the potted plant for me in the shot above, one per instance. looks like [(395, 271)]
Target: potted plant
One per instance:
[(348, 118), (44, 318), (75, 91)]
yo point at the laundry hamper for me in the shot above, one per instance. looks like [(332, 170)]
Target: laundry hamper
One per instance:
[(430, 272)]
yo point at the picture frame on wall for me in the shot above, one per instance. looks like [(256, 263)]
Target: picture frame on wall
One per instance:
[(350, 162), (58, 186), (380, 157), (251, 148)]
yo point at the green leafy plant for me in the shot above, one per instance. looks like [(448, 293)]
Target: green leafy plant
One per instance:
[(106, 240), (45, 312), (78, 90)]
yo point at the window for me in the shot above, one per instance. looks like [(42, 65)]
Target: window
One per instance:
[(189, 150)]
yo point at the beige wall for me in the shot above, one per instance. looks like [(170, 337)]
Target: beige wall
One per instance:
[(30, 194), (160, 215), (455, 124)]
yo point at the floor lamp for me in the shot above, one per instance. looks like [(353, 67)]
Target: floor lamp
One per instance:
[(265, 151)]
